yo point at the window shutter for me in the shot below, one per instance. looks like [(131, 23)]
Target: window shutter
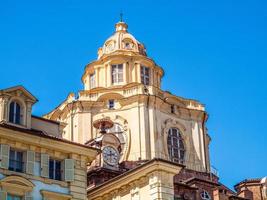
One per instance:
[(45, 165), (30, 162), (3, 195), (28, 196), (4, 156), (69, 169)]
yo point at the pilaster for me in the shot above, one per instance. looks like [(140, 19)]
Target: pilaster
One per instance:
[(3, 109), (125, 78), (78, 186), (138, 77), (97, 77), (161, 185), (28, 120), (109, 75)]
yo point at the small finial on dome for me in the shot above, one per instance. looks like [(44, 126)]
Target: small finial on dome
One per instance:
[(121, 25), (121, 16)]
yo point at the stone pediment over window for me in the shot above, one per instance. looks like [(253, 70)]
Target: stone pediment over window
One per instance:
[(19, 91), (17, 185)]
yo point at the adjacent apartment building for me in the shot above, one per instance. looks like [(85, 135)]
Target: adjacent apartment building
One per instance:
[(35, 161)]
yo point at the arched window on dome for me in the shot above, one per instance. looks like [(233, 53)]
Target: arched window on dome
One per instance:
[(176, 147), (15, 112), (128, 44), (205, 195), (109, 46)]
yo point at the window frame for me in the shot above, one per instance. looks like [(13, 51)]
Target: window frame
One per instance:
[(117, 74), (145, 78), (176, 146), (57, 173), (21, 162), (111, 102), (205, 195), (11, 196), (92, 80), (15, 112), (173, 109), (127, 45)]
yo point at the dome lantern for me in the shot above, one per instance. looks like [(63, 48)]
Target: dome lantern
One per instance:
[(121, 42), (121, 26)]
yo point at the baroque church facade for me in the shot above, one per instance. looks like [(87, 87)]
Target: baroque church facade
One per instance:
[(125, 138), (124, 85)]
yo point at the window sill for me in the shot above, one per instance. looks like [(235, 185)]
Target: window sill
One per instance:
[(33, 177), (17, 125), (55, 195), (117, 84)]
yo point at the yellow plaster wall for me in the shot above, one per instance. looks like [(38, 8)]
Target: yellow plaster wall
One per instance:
[(50, 128)]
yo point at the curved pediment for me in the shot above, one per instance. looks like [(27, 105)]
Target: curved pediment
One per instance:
[(111, 95), (174, 123), (17, 183)]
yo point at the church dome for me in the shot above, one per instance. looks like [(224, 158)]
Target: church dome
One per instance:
[(121, 41)]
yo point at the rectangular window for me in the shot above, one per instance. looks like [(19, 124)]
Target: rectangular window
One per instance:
[(13, 197), (92, 80), (111, 104), (117, 73), (145, 71), (172, 109), (54, 169), (15, 161)]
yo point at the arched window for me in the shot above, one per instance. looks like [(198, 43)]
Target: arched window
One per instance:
[(128, 44), (205, 195), (175, 146), (15, 112)]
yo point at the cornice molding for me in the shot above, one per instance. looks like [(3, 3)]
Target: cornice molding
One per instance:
[(134, 177), (29, 140)]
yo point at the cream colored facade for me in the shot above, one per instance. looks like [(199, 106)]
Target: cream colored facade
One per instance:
[(28, 146), (153, 180), (143, 111)]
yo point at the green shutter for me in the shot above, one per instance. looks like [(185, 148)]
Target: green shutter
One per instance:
[(28, 196), (3, 195), (30, 162), (69, 169), (4, 152), (45, 165)]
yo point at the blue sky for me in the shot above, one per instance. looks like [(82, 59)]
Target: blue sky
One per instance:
[(212, 51)]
